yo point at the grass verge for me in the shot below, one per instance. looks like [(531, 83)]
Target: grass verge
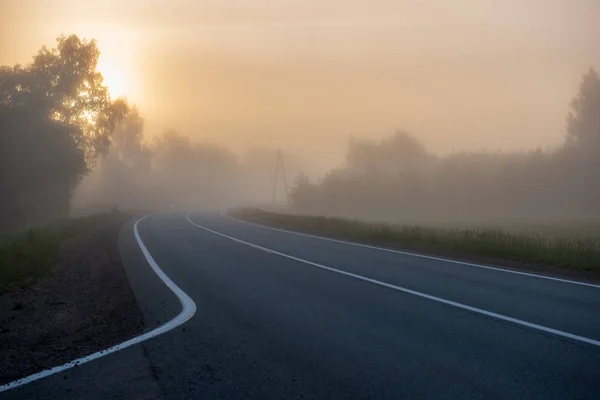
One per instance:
[(571, 252), (27, 255)]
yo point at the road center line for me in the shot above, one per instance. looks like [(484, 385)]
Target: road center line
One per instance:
[(187, 312), (406, 253), (409, 291)]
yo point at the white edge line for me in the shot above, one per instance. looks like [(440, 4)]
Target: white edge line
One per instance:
[(188, 311), (406, 253), (409, 291)]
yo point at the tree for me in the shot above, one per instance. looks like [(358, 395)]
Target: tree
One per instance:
[(127, 140), (581, 152), (393, 155), (301, 192), (56, 116), (583, 121)]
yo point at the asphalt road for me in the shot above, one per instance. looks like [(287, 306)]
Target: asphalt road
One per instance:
[(300, 317)]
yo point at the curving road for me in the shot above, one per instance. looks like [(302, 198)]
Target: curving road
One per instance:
[(281, 315)]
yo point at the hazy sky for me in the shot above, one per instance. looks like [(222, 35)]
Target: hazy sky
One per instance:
[(307, 74)]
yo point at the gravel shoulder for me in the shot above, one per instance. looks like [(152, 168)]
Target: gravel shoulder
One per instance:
[(83, 305)]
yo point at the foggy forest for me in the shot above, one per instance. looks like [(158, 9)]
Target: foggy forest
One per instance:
[(68, 147)]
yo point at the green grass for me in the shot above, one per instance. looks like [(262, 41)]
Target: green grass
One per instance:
[(27, 255), (570, 251)]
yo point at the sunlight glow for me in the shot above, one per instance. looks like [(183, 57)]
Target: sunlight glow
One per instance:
[(114, 79)]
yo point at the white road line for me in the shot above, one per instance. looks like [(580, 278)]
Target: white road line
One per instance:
[(409, 291), (188, 305), (406, 253)]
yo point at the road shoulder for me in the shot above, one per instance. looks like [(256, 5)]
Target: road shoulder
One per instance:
[(84, 305)]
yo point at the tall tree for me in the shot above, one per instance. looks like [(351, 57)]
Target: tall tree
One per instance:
[(56, 116), (583, 121)]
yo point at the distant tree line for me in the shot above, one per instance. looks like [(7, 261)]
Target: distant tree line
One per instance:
[(398, 179), (65, 143), (171, 170)]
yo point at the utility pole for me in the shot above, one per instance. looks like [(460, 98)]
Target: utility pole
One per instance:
[(277, 168)]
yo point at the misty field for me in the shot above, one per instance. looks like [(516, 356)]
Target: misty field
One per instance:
[(27, 255), (573, 249)]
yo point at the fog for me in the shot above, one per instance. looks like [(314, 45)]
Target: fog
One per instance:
[(173, 171), (215, 88)]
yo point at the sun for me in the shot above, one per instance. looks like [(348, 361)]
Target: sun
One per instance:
[(114, 80), (114, 77), (117, 59)]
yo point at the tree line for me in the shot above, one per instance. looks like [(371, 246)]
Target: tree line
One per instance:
[(398, 179), (64, 144)]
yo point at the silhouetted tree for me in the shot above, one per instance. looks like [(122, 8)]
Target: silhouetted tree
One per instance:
[(583, 122), (580, 158), (56, 116)]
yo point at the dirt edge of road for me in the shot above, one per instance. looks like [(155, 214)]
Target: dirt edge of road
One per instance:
[(83, 305)]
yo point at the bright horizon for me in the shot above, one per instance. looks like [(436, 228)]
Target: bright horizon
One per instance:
[(305, 76)]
